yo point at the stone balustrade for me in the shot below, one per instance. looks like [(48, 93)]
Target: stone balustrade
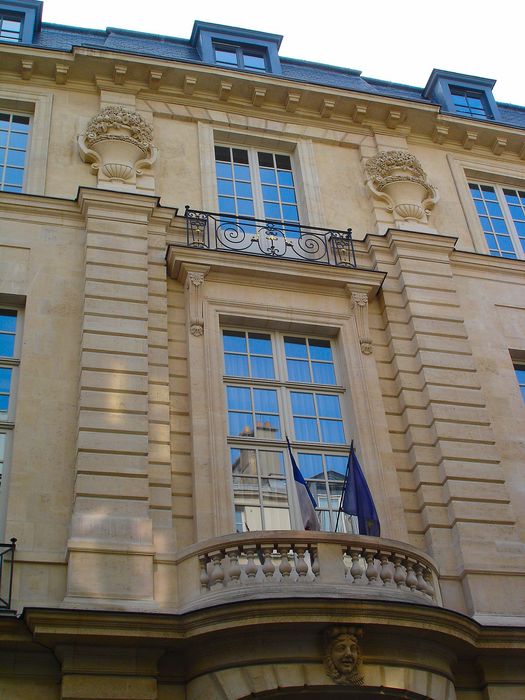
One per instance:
[(260, 564)]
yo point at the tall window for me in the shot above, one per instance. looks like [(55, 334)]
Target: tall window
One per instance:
[(501, 212), (256, 184), (10, 27), (519, 368), (14, 136), (9, 361), (278, 385), (470, 102)]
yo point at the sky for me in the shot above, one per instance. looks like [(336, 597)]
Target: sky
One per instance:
[(396, 41)]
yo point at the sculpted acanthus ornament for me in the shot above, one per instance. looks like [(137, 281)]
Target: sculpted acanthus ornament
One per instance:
[(118, 141), (398, 178)]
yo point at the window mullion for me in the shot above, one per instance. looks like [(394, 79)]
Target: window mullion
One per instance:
[(257, 186), (509, 221)]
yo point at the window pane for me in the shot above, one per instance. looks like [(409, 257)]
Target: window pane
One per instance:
[(240, 424), (243, 461), (236, 365), (298, 370), (295, 347), (332, 431), (320, 350), (336, 466), (311, 465), (7, 345), (271, 463), (276, 519), (323, 373), (234, 341), (227, 56), (262, 367), (328, 406), (267, 426), (239, 398), (260, 343), (302, 404), (306, 429), (265, 400)]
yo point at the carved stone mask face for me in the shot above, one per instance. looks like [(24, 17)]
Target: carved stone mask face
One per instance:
[(344, 653)]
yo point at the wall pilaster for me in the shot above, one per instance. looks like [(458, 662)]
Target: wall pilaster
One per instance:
[(455, 496), (111, 541)]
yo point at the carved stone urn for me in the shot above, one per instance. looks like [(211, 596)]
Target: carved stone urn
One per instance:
[(118, 141), (398, 178)]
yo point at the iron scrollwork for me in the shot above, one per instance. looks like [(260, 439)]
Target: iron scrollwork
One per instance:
[(275, 239)]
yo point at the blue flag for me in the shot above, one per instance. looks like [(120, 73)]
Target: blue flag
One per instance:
[(307, 502), (357, 499)]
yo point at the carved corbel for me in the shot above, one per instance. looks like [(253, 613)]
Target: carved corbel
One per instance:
[(195, 299), (359, 308)]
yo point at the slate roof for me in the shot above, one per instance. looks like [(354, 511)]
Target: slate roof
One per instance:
[(64, 38)]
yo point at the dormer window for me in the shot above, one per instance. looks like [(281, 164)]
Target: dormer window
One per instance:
[(468, 96), (20, 20), (239, 57), (470, 102), (233, 47), (10, 27)]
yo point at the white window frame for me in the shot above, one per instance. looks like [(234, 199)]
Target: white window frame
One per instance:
[(14, 113), (7, 424), (507, 217), (301, 152), (284, 387), (257, 184), (38, 106)]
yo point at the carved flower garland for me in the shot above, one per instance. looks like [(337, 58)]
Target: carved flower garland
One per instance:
[(118, 117)]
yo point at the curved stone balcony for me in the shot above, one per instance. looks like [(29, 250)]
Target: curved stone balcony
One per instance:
[(280, 564)]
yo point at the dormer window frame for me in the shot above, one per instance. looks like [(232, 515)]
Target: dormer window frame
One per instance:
[(28, 13), (441, 87), (241, 52), (209, 37)]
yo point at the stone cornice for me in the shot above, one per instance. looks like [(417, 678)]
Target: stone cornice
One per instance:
[(160, 80), (53, 626), (281, 269), (61, 212)]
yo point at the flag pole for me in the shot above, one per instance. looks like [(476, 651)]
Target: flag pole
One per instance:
[(344, 484)]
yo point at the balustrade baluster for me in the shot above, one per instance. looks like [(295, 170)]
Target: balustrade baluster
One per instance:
[(356, 570), (268, 566), (411, 580), (234, 569), (301, 566), (316, 568), (285, 567), (371, 571), (386, 569), (400, 575), (251, 568), (427, 575), (203, 575), (217, 574), (421, 585)]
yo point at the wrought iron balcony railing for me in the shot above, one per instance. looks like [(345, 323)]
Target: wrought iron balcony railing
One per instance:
[(7, 558), (275, 239)]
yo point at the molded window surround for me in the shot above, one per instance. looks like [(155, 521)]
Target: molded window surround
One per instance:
[(37, 106), (28, 13), (276, 385), (503, 210), (465, 95), (233, 47), (302, 157), (10, 349)]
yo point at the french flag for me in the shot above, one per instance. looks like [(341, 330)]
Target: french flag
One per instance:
[(307, 504)]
